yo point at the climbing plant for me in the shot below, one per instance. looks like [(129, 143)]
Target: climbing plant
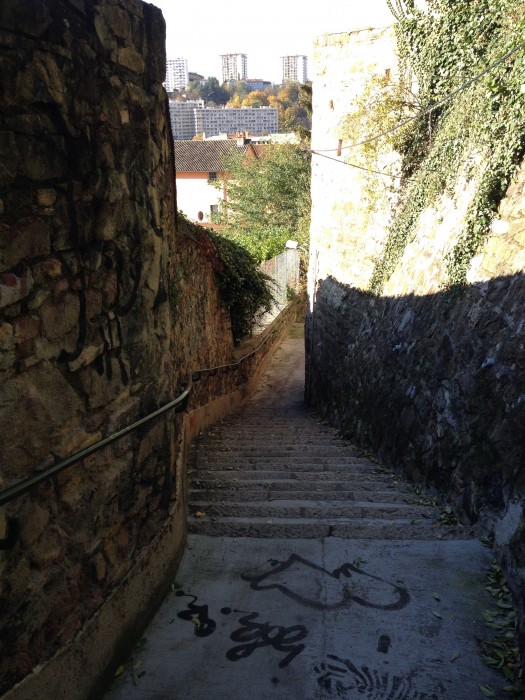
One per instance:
[(244, 289), (474, 52), (385, 100)]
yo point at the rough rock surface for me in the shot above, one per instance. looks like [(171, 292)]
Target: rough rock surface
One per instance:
[(91, 334)]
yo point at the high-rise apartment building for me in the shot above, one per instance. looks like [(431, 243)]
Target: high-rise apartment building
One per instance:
[(234, 66), (295, 68), (176, 74)]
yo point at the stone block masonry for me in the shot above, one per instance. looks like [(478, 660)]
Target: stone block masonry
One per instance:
[(431, 381), (86, 213), (104, 310)]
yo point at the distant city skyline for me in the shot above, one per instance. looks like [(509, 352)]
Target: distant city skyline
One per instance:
[(277, 29)]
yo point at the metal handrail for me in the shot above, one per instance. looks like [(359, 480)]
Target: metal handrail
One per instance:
[(233, 365), (180, 401), (23, 486)]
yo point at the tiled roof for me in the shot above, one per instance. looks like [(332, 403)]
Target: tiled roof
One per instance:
[(204, 156), (259, 149)]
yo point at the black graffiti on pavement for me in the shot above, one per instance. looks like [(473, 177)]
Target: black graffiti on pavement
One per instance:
[(337, 677), (255, 635), (348, 575), (198, 614), (383, 645)]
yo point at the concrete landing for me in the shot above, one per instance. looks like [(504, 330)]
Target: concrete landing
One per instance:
[(341, 581)]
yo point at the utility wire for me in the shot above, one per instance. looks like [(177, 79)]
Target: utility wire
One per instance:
[(430, 109), (360, 167)]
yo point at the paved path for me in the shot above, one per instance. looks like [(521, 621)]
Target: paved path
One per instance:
[(311, 572)]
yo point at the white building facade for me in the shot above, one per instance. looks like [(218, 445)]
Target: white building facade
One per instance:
[(255, 120), (295, 68), (176, 74), (190, 118), (234, 66), (197, 165), (182, 117)]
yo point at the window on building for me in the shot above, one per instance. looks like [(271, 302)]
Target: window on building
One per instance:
[(213, 176), (214, 208)]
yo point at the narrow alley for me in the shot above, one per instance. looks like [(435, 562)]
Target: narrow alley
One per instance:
[(311, 572)]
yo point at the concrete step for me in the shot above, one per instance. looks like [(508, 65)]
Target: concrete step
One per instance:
[(286, 472), (312, 509), (280, 450), (255, 477), (308, 455), (295, 417), (214, 495), (306, 528), (252, 465), (285, 484), (286, 447), (286, 434), (285, 437), (223, 461)]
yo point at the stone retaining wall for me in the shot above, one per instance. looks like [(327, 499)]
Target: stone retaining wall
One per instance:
[(104, 310), (86, 212), (433, 382)]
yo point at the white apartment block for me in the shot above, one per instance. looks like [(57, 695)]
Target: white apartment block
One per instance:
[(234, 66), (182, 117), (190, 118), (295, 68), (254, 120), (176, 74)]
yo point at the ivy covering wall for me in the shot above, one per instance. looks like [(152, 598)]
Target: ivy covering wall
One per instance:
[(463, 72), (245, 291)]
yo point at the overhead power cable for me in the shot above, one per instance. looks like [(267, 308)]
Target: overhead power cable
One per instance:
[(360, 167), (428, 110)]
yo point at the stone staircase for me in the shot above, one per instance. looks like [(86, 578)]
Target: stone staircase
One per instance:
[(279, 472), (312, 572)]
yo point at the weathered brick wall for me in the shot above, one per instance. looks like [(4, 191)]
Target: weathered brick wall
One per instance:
[(92, 335), (433, 382)]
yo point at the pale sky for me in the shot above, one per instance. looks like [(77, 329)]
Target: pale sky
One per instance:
[(202, 31)]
